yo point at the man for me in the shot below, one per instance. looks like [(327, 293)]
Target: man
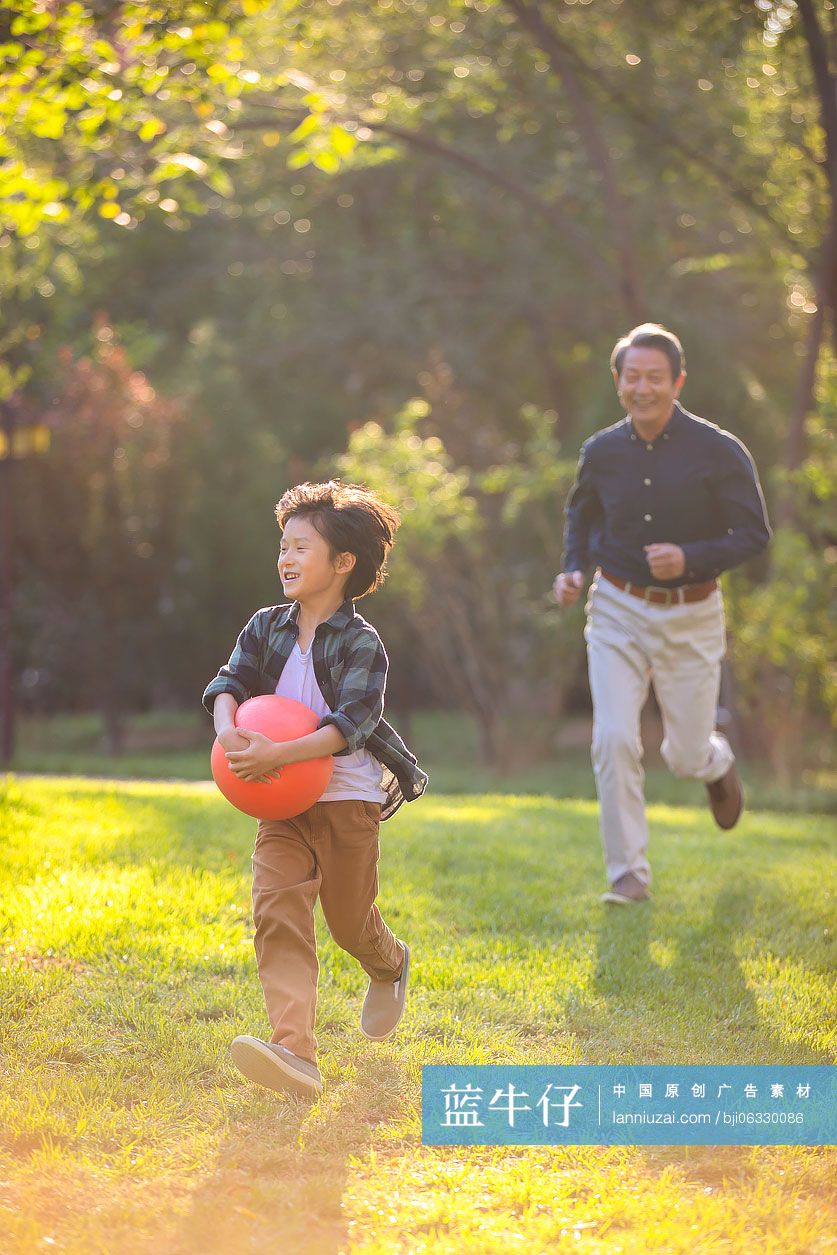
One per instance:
[(663, 502)]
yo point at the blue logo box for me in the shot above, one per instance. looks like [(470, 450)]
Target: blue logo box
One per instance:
[(616, 1105)]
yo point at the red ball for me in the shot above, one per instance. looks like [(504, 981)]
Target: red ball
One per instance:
[(299, 786)]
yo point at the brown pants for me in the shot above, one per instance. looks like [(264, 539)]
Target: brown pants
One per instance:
[(330, 850)]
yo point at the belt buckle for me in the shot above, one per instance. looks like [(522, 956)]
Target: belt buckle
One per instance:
[(650, 601)]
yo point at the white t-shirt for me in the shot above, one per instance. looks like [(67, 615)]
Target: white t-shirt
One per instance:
[(356, 775)]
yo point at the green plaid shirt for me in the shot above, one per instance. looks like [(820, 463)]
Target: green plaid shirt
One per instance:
[(350, 665)]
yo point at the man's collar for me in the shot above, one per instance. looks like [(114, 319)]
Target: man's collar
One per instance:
[(678, 414), (342, 616), (675, 421)]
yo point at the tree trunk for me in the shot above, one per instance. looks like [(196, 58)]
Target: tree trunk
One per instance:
[(7, 687), (110, 707), (795, 444), (825, 82), (556, 382), (729, 718), (598, 153), (106, 663)]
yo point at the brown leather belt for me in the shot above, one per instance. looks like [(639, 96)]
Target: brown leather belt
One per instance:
[(664, 596)]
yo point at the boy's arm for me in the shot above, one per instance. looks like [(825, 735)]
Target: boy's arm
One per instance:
[(319, 744), (359, 707), (240, 676), (223, 716), (359, 699), (259, 758), (236, 743)]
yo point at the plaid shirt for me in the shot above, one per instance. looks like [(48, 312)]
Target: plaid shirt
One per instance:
[(350, 666)]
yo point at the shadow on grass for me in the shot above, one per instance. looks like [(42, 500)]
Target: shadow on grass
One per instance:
[(498, 896), (479, 881), (701, 1004), (516, 880), (281, 1172), (695, 995)]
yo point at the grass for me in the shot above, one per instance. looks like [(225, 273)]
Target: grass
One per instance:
[(126, 967), (175, 746)]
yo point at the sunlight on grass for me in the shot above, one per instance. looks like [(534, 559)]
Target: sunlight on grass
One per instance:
[(126, 967)]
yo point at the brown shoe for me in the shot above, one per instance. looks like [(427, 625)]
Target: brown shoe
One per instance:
[(275, 1067), (726, 798), (627, 889)]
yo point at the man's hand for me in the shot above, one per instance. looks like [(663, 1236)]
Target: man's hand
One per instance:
[(567, 587), (259, 761), (665, 562)]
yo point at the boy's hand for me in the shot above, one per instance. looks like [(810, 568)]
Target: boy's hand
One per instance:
[(231, 739), (259, 762)]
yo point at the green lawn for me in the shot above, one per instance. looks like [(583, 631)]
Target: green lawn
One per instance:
[(126, 967), (551, 760)]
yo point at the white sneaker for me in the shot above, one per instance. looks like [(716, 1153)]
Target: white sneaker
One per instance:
[(384, 1003)]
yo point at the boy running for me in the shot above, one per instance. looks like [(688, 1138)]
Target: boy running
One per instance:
[(319, 651)]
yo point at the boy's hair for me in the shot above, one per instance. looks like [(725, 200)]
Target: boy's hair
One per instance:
[(650, 335), (353, 520)]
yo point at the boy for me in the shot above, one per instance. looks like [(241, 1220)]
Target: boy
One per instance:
[(317, 650)]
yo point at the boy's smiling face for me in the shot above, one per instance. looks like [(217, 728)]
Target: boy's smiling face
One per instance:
[(306, 566)]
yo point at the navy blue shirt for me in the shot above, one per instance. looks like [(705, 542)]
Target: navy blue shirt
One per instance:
[(694, 486)]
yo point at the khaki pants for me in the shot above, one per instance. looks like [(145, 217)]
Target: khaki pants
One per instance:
[(330, 851), (629, 644)]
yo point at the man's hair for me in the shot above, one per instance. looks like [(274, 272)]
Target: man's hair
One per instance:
[(650, 335), (353, 520)]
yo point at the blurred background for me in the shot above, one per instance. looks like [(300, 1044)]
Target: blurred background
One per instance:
[(247, 244)]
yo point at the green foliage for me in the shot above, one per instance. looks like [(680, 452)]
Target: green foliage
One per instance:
[(385, 201), (466, 553), (537, 474), (785, 628), (119, 109), (108, 491), (787, 624), (416, 475)]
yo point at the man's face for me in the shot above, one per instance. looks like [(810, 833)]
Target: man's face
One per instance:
[(646, 387)]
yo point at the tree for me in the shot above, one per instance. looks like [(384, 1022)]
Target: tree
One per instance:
[(444, 202), (462, 567), (119, 107), (110, 482)]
